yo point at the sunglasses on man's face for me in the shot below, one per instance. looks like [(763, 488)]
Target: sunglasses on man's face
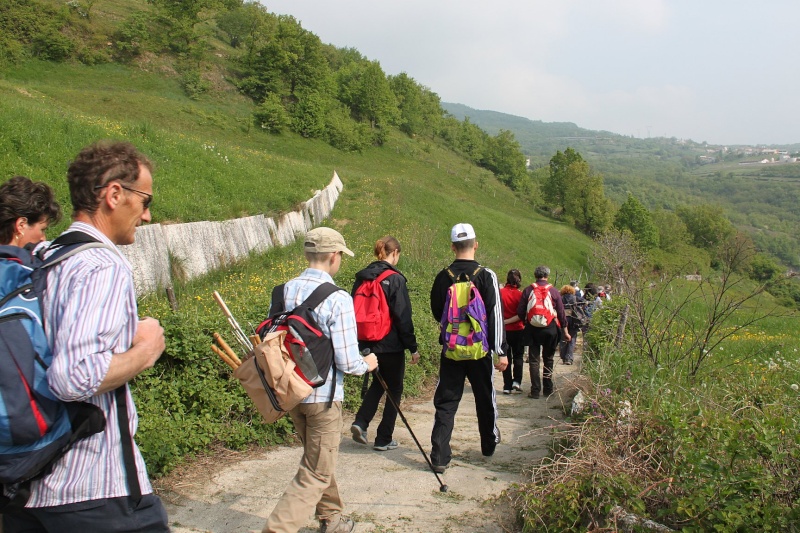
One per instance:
[(147, 200)]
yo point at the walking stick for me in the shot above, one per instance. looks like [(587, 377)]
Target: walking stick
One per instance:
[(377, 374)]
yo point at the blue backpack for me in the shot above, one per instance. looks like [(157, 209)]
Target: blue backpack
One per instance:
[(36, 428)]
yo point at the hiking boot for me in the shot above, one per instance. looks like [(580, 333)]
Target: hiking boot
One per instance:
[(534, 395), (516, 387), (344, 525), (359, 434), (439, 469), (383, 447)]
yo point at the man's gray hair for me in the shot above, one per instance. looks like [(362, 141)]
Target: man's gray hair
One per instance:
[(541, 272)]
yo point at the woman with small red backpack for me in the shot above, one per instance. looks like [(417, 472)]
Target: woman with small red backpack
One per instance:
[(387, 335), (510, 296)]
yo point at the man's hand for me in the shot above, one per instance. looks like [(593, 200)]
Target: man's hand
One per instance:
[(415, 358), (567, 336), (372, 361), (502, 363), (150, 340)]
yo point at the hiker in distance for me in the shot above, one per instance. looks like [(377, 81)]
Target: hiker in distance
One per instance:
[(480, 296), (27, 208), (543, 311), (99, 344), (571, 302), (318, 418), (383, 316), (510, 296)]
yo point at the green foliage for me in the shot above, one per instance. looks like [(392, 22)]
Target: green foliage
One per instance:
[(634, 217), (271, 115), (555, 191), (706, 224), (193, 83), (133, 36)]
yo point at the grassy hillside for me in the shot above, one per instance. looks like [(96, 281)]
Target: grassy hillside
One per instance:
[(211, 165)]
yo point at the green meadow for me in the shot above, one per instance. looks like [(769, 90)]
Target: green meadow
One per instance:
[(711, 446)]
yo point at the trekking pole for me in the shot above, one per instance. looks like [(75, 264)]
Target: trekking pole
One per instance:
[(377, 374), (243, 340)]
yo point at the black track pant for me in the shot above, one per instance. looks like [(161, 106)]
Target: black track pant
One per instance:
[(546, 340), (392, 367), (447, 397), (516, 348)]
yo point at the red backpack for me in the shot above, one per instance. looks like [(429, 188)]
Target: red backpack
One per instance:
[(540, 306), (373, 319)]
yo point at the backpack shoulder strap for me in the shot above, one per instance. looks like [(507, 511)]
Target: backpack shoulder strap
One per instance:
[(69, 244), (320, 294), (385, 274), (277, 305)]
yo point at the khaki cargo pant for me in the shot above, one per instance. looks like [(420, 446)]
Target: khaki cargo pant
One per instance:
[(314, 487)]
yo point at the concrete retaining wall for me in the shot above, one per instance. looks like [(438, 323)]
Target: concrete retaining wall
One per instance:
[(197, 248)]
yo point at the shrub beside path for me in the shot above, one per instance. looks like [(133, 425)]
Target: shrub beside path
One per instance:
[(392, 491)]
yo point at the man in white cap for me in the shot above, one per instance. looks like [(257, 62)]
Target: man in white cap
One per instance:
[(479, 372), (318, 420)]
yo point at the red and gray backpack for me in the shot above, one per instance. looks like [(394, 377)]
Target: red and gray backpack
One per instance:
[(541, 311)]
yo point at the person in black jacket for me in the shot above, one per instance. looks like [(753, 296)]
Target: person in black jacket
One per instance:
[(479, 372), (390, 349)]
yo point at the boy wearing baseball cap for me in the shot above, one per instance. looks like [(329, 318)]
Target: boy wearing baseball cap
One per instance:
[(479, 372), (318, 421)]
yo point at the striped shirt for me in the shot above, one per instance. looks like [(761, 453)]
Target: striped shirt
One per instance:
[(90, 313), (336, 318)]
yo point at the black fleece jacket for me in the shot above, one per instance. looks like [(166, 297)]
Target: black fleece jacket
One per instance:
[(401, 337)]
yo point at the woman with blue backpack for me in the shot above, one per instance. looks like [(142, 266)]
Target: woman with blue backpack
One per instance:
[(26, 209), (383, 318)]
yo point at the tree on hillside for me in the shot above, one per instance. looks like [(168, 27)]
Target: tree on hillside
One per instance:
[(504, 157), (634, 217), (290, 62), (585, 202), (672, 231), (364, 88), (420, 108), (248, 25), (707, 225), (555, 190)]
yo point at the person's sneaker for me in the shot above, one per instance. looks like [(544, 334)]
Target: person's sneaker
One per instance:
[(506, 391), (344, 525), (383, 447), (359, 435), (534, 395), (516, 387), (439, 469)]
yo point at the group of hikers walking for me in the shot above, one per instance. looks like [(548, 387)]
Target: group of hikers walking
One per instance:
[(96, 343)]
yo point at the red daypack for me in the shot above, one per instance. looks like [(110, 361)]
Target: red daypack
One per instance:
[(373, 319), (540, 306)]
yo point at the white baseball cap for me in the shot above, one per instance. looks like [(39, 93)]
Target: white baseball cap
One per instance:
[(462, 232)]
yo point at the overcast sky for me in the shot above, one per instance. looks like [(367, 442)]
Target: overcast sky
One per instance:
[(722, 71)]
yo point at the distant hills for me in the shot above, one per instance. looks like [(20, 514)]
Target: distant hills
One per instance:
[(542, 139)]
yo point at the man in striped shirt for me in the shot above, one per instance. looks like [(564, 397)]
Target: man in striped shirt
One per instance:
[(318, 419), (99, 344)]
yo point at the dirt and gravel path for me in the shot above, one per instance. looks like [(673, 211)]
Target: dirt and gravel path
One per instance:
[(392, 491)]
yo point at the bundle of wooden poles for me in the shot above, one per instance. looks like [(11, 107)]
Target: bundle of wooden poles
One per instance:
[(223, 349)]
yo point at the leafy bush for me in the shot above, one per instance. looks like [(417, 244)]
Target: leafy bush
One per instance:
[(133, 36), (271, 115), (193, 83)]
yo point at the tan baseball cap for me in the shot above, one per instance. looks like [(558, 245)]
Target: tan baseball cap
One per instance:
[(322, 240)]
